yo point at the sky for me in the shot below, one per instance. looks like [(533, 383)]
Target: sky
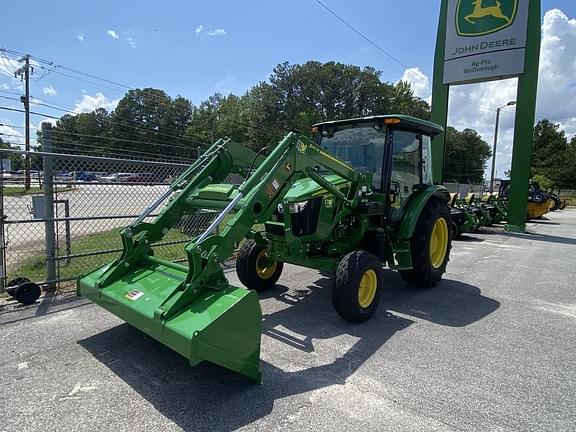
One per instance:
[(196, 48)]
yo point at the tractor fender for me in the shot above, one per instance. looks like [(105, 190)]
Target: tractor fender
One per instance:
[(414, 208)]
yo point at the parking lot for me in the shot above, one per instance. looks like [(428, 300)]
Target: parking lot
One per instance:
[(492, 348)]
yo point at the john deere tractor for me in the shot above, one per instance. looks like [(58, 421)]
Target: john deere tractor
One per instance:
[(357, 198)]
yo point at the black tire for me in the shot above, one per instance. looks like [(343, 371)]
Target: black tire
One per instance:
[(424, 272), (347, 295), (27, 293), (14, 283), (247, 266), (557, 203)]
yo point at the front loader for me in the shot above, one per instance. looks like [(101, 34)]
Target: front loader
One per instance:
[(357, 198)]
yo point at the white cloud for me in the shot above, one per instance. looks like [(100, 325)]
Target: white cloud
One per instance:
[(112, 34), (4, 86), (81, 37), (418, 81), (199, 29), (6, 130), (474, 106), (89, 103), (217, 32), (9, 65), (49, 91), (131, 42)]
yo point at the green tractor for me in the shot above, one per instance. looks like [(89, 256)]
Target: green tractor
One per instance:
[(357, 198), (464, 218)]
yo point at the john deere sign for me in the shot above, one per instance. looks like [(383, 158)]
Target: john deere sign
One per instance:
[(485, 39)]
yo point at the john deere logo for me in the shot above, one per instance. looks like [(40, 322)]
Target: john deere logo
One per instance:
[(482, 17)]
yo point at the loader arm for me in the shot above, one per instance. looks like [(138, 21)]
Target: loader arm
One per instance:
[(195, 311)]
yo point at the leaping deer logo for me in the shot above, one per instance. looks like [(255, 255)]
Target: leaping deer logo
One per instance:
[(481, 12)]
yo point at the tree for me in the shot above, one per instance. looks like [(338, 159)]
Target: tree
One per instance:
[(16, 159), (544, 182), (552, 155), (300, 95), (466, 156), (149, 121)]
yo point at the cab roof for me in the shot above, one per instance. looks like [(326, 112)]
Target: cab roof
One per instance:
[(406, 121)]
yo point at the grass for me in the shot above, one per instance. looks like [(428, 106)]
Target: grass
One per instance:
[(35, 190), (34, 267)]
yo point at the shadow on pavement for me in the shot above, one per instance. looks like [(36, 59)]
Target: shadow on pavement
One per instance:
[(48, 304), (467, 238), (209, 398), (544, 238), (451, 303), (542, 222)]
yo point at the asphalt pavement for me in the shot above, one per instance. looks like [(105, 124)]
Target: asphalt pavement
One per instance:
[(492, 348)]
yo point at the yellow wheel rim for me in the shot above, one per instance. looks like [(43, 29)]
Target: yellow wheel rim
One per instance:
[(265, 267), (367, 289), (438, 242)]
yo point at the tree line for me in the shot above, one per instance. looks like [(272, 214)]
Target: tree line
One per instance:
[(553, 157), (149, 124)]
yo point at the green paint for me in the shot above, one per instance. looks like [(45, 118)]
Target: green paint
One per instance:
[(440, 95), (481, 17), (316, 208), (524, 130), (413, 208)]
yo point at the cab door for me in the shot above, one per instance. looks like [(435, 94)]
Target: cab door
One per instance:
[(410, 164)]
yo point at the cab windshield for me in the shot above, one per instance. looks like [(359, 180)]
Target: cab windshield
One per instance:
[(359, 145)]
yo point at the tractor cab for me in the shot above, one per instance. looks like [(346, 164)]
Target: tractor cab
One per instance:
[(395, 150)]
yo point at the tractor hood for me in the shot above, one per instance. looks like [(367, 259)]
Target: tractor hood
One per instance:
[(307, 188)]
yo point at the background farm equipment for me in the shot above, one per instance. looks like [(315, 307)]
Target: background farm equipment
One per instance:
[(463, 217)]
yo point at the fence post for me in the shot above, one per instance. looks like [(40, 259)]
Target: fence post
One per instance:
[(2, 217), (47, 162)]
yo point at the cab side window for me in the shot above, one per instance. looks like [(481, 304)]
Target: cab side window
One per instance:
[(406, 166)]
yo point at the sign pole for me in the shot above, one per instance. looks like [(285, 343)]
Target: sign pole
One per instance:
[(524, 124), (440, 94)]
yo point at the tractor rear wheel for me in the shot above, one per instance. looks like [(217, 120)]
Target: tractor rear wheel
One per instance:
[(358, 286), (255, 269), (430, 246)]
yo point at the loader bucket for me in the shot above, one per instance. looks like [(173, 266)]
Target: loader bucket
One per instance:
[(222, 327)]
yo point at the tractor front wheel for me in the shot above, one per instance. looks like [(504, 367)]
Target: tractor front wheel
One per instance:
[(358, 286), (430, 246), (255, 269)]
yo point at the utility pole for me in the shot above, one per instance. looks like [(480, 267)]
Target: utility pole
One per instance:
[(511, 103), (494, 150), (24, 72)]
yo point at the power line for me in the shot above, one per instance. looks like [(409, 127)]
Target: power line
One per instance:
[(72, 146), (10, 98), (366, 38), (31, 112), (54, 66), (124, 140), (386, 53), (66, 110)]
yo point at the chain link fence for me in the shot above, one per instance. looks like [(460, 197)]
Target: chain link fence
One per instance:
[(464, 188), (85, 201), (569, 196)]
